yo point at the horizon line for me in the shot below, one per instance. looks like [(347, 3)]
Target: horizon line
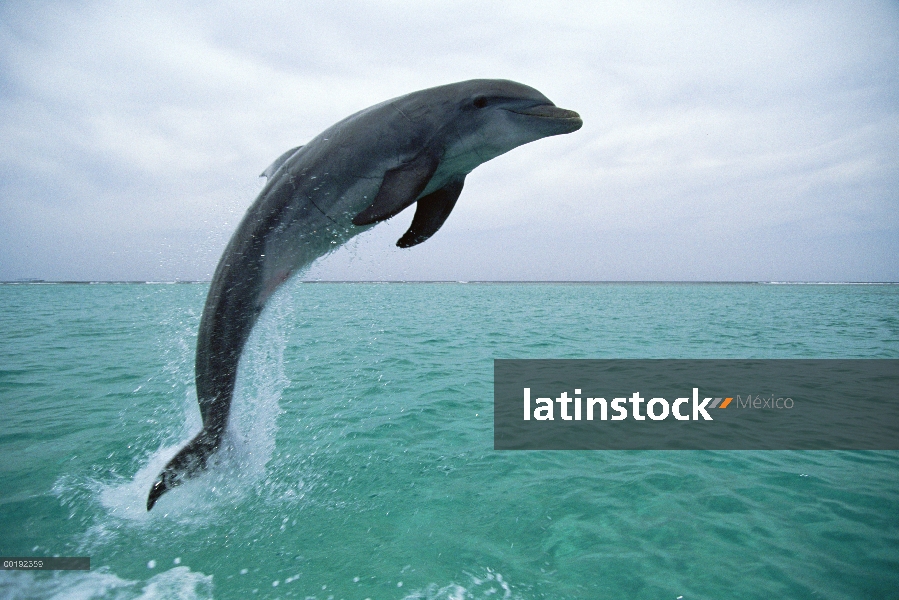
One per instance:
[(26, 281)]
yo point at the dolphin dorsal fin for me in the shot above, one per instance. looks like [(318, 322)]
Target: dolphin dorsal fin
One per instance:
[(431, 212), (278, 162), (400, 188)]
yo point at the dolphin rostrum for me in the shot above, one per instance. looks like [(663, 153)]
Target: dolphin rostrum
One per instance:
[(417, 148)]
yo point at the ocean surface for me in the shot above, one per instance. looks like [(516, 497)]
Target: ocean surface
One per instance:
[(361, 462)]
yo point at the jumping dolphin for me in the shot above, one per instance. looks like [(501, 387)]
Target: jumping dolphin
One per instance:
[(359, 172)]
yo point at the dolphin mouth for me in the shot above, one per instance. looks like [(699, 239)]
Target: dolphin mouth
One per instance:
[(551, 112)]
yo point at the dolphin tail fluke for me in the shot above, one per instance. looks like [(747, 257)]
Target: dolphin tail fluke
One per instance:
[(189, 462)]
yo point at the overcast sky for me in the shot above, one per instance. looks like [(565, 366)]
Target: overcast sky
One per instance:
[(721, 140)]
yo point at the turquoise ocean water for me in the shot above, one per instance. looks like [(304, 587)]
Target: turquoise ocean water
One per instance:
[(360, 461)]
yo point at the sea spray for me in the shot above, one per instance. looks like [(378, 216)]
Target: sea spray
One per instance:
[(249, 442), (252, 428)]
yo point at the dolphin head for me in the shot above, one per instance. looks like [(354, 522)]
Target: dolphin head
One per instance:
[(494, 116), (455, 128)]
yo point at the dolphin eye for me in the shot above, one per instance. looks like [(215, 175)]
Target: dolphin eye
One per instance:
[(480, 102)]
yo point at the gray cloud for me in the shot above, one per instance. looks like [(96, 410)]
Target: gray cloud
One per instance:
[(721, 141)]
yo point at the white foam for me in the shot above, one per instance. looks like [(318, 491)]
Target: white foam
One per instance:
[(179, 582), (491, 585)]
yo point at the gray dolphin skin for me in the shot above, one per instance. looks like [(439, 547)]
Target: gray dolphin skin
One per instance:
[(417, 148)]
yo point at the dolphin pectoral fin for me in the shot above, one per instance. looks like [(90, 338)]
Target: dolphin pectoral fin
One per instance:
[(278, 162), (189, 462), (431, 213), (400, 188)]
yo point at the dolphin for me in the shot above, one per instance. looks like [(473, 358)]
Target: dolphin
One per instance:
[(415, 149)]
